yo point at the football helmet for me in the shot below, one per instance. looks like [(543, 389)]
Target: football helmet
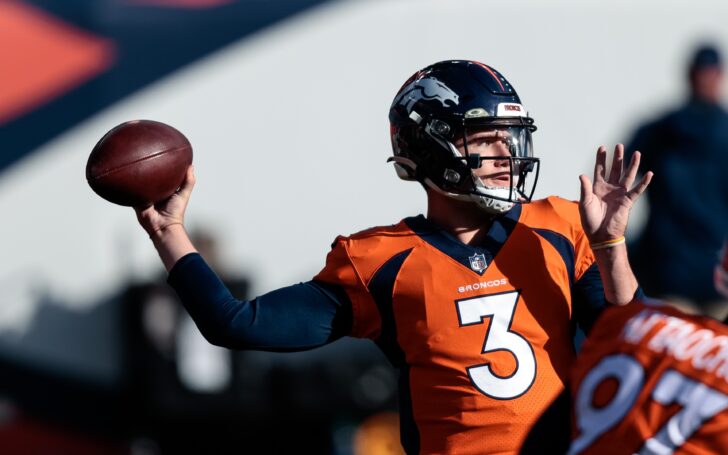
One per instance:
[(432, 117)]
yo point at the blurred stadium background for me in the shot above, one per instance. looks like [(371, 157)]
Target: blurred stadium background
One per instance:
[(285, 103)]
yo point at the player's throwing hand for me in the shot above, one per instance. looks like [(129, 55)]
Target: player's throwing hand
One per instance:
[(171, 211)]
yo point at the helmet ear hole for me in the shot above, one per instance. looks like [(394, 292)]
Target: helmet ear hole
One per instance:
[(404, 172), (404, 167)]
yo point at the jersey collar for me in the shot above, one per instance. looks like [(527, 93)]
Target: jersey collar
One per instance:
[(499, 231)]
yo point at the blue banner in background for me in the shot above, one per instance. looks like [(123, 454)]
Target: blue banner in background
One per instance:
[(65, 61)]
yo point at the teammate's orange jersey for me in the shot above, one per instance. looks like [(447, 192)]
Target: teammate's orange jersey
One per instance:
[(482, 335), (652, 380)]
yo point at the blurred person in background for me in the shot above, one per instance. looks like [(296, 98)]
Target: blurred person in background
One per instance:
[(476, 304), (687, 148)]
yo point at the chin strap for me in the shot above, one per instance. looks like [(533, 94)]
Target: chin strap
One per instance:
[(483, 201), (493, 205), (494, 199)]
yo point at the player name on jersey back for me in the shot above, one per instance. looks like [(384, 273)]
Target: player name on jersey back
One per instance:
[(681, 339)]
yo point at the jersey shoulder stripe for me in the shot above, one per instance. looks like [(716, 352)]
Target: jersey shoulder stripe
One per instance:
[(354, 261), (558, 221), (564, 247), (381, 288)]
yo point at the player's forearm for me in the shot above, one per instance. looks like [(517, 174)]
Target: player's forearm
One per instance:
[(294, 318), (172, 243), (620, 284)]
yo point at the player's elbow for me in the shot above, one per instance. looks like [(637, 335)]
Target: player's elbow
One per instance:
[(232, 337), (242, 328), (230, 327), (215, 334)]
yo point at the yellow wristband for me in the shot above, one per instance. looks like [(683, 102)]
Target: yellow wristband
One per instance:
[(607, 243)]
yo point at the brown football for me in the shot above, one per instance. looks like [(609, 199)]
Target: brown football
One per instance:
[(139, 163)]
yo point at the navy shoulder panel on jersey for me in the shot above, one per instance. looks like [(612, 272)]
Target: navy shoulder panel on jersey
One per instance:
[(381, 288), (563, 246)]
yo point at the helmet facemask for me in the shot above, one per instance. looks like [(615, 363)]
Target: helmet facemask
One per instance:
[(503, 146)]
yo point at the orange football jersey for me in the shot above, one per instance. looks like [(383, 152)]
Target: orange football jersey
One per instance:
[(482, 335), (651, 380)]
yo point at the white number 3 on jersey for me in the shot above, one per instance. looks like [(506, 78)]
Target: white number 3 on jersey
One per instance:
[(499, 337)]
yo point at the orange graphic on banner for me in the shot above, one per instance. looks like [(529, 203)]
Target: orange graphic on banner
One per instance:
[(43, 57)]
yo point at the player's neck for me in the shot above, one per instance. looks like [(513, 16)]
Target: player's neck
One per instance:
[(462, 219)]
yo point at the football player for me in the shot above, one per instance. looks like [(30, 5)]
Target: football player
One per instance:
[(651, 379), (475, 303)]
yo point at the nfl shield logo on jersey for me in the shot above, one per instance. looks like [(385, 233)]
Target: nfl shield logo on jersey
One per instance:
[(477, 262)]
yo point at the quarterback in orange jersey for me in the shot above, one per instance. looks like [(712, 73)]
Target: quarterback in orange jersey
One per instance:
[(475, 303), (652, 380), (482, 347)]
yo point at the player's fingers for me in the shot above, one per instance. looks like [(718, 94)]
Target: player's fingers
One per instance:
[(189, 182), (601, 164), (615, 174), (138, 211), (145, 214), (634, 165), (641, 186), (586, 188)]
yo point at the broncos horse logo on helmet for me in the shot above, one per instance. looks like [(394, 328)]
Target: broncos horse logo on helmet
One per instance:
[(441, 104), (426, 88)]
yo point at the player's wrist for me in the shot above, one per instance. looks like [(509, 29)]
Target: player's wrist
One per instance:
[(172, 243), (166, 230), (607, 243)]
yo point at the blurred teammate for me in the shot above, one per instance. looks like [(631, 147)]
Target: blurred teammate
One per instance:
[(652, 380), (475, 303)]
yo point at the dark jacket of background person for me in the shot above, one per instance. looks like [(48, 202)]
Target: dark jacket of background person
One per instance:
[(687, 149)]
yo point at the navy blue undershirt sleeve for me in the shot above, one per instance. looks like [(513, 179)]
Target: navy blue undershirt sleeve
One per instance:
[(294, 318), (588, 298)]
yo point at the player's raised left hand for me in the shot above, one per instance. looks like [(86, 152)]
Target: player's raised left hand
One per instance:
[(605, 204)]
